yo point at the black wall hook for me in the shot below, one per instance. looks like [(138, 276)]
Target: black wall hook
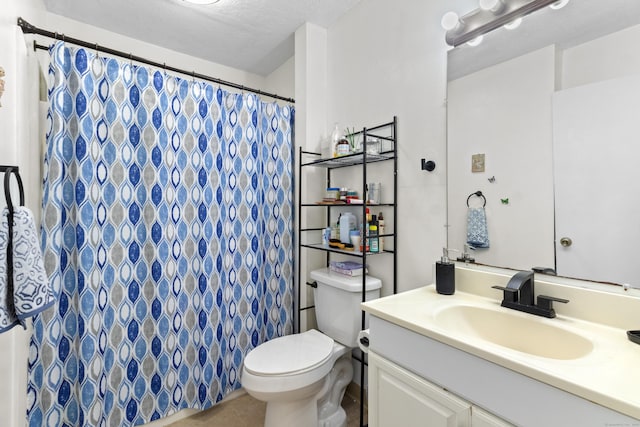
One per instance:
[(428, 165)]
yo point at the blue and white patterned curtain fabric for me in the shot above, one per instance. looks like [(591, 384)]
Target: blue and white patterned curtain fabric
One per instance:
[(167, 235)]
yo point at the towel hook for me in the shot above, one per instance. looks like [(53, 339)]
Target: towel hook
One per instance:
[(478, 194), (7, 187)]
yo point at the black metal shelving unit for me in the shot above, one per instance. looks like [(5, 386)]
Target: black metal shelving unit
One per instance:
[(384, 132)]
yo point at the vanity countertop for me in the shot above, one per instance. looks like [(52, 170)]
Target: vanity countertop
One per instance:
[(607, 375)]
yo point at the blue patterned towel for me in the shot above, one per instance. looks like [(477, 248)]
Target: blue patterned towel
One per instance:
[(8, 318), (31, 290), (477, 233)]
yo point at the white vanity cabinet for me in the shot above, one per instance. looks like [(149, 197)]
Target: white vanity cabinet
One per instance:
[(398, 397), (404, 368), (482, 418)]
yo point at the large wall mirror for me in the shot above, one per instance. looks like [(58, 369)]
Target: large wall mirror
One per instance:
[(553, 108)]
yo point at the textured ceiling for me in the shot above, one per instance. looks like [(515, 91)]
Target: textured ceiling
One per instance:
[(250, 35)]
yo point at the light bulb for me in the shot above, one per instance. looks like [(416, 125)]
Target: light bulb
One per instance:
[(201, 1), (494, 6), (476, 41), (513, 24), (559, 4), (450, 21)]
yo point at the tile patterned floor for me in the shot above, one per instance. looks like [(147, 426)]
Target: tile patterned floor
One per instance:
[(245, 411)]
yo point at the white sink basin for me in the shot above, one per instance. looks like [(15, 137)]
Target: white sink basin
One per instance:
[(531, 335)]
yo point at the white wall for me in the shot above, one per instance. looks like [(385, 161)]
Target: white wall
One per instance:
[(311, 113), (504, 112), (615, 55), (20, 142), (282, 80), (19, 137), (388, 60)]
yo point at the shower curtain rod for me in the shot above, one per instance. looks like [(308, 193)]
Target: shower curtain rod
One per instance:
[(27, 28)]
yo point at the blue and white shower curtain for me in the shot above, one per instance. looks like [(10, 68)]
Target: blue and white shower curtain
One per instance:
[(167, 237)]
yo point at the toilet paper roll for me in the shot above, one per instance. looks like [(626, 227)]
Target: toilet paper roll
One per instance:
[(363, 340)]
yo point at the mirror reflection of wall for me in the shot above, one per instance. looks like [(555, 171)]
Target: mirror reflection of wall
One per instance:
[(506, 111)]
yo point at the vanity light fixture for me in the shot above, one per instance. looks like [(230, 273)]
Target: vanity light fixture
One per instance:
[(490, 15), (494, 6), (559, 4), (201, 2), (451, 22), (476, 41), (513, 24)]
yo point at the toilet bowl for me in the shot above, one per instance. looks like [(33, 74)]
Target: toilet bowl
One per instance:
[(292, 373), (303, 377)]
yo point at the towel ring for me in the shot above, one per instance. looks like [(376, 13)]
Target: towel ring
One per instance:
[(7, 187), (479, 194)]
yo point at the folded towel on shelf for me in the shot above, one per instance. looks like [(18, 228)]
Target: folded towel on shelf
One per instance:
[(477, 233), (32, 292)]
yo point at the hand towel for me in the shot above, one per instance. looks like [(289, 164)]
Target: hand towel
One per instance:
[(8, 318), (477, 233), (32, 292), (31, 289)]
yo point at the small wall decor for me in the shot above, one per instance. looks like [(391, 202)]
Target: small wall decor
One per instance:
[(1, 83), (477, 163)]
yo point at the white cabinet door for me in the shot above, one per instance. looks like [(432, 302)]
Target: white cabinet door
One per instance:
[(482, 418), (397, 397)]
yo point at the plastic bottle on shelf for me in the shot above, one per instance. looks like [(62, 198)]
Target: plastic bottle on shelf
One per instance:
[(364, 233), (335, 138), (373, 236), (347, 223), (380, 231), (343, 147), (326, 236)]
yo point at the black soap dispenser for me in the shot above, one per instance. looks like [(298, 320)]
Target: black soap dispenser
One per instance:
[(445, 275)]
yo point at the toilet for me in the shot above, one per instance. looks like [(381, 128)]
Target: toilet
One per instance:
[(303, 377)]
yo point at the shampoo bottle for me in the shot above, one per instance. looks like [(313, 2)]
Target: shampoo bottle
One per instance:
[(445, 275), (373, 236), (380, 231)]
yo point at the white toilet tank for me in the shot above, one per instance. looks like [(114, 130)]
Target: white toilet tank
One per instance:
[(337, 300)]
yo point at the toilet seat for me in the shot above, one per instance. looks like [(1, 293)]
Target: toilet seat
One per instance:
[(290, 354)]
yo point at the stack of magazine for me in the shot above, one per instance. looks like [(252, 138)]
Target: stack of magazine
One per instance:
[(348, 268)]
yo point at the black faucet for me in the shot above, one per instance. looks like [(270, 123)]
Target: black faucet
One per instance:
[(519, 295)]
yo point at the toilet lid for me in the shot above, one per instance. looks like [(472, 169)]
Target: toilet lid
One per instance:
[(289, 354)]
